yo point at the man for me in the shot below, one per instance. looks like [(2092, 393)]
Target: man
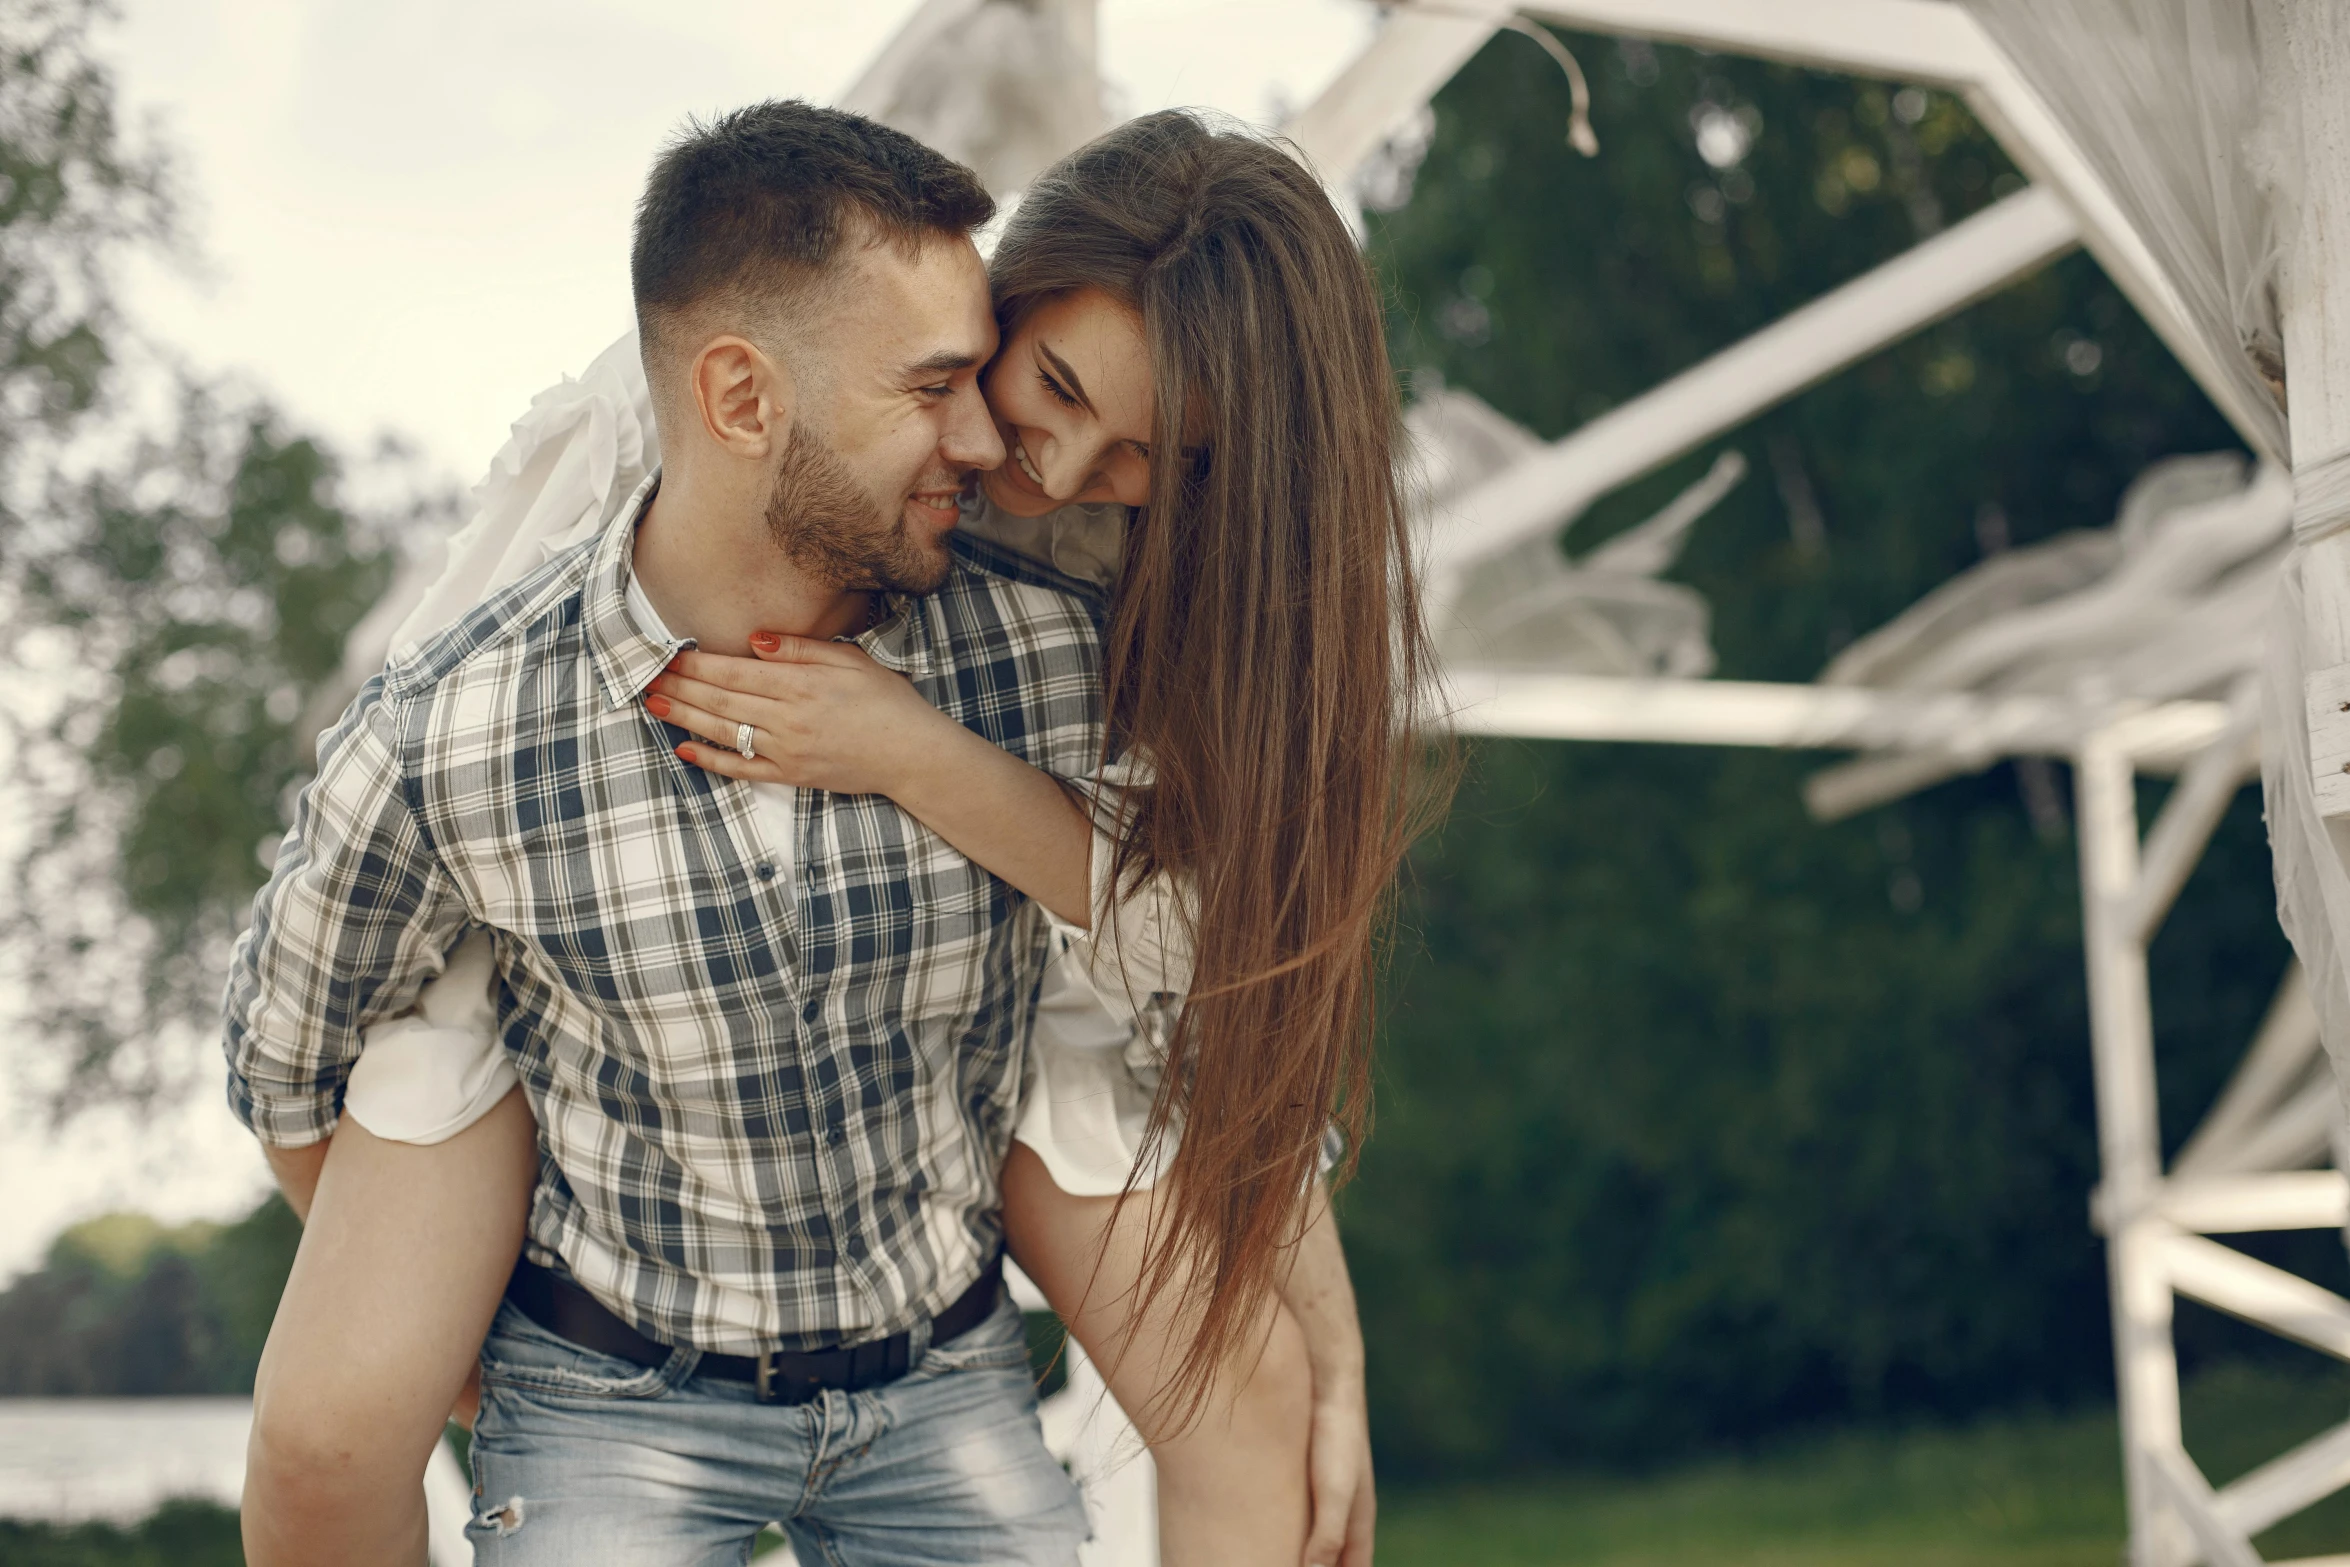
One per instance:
[(771, 1049)]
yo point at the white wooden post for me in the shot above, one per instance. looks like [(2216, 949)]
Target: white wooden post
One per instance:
[(2121, 1042), (2310, 52)]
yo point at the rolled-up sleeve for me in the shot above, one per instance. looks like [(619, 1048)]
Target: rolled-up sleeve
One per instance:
[(356, 916), (1137, 950)]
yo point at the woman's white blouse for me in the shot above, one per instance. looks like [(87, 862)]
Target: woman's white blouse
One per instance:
[(1110, 993)]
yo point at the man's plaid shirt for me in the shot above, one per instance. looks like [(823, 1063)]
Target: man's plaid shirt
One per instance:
[(770, 1115)]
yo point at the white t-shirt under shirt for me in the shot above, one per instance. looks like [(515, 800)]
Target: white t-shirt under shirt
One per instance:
[(1107, 998)]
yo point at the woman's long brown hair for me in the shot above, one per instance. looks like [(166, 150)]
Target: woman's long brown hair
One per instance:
[(1265, 654)]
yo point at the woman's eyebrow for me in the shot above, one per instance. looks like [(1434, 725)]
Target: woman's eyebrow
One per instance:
[(1069, 381)]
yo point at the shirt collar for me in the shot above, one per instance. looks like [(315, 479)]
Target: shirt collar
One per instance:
[(627, 656), (899, 641)]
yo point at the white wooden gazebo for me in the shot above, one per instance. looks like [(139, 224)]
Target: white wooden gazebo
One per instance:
[(970, 77), (2250, 1166)]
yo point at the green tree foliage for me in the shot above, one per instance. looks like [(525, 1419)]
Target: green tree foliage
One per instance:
[(1699, 1119), (74, 194), (125, 1307), (173, 592)]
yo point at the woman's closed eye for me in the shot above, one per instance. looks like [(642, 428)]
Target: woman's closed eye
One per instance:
[(1060, 394)]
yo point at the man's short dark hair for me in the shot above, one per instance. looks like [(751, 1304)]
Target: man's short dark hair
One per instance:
[(760, 203)]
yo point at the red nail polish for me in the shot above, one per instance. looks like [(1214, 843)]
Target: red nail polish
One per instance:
[(686, 753), (766, 641), (659, 706)]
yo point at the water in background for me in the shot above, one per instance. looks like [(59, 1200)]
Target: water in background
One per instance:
[(68, 1459)]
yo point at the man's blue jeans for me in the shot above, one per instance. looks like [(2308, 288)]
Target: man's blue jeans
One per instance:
[(583, 1460)]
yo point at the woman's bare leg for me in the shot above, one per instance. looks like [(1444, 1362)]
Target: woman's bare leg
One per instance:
[(1233, 1482), (403, 1258)]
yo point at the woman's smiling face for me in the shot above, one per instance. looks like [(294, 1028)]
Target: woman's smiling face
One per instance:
[(1071, 394)]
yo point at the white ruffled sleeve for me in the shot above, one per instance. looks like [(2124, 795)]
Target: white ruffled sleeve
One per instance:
[(1139, 944), (1104, 1015), (431, 1072), (570, 464)]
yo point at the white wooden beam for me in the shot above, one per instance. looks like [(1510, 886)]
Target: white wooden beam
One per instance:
[(2162, 738), (2121, 1025), (2283, 1486), (2297, 1132), (2182, 730), (2280, 1052), (1928, 41), (1866, 782), (2192, 814), (2251, 1204), (2197, 1506), (1937, 44), (2146, 1383), (1536, 705), (2315, 40), (1924, 41), (1925, 284), (1735, 712), (2246, 1287), (1413, 55)]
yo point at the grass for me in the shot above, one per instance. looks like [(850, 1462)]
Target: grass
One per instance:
[(2030, 1491), (2037, 1491), (179, 1534)]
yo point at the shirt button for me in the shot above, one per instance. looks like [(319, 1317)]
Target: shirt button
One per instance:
[(766, 872), (836, 1136)]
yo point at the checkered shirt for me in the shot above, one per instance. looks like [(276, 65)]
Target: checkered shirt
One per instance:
[(771, 1107)]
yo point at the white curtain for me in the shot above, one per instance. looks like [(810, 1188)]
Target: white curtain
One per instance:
[(2187, 109), (2164, 99)]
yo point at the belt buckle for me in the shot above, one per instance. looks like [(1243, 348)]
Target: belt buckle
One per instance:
[(771, 1385)]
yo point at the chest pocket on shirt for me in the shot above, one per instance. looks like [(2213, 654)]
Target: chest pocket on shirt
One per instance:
[(894, 903), (607, 876)]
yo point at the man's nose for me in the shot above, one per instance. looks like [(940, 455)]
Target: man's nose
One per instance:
[(970, 439)]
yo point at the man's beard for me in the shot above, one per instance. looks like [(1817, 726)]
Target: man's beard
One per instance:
[(830, 528)]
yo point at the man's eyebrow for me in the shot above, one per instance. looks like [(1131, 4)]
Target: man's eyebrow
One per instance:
[(1074, 387), (945, 362)]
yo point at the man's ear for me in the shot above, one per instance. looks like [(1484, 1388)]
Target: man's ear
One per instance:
[(744, 398)]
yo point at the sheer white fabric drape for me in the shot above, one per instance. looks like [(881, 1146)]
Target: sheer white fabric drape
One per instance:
[(2189, 112), (2164, 99)]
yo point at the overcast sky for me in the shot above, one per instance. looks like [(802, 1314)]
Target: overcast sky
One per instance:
[(412, 216), (416, 214)]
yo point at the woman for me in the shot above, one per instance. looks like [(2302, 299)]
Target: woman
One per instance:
[(1191, 352)]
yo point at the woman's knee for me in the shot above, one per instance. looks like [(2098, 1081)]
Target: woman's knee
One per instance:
[(315, 1493), (306, 1447), (1261, 1403), (1275, 1394)]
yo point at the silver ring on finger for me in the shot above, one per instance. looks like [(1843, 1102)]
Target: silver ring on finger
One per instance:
[(742, 743)]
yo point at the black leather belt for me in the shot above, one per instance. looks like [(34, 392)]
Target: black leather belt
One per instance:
[(781, 1376)]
